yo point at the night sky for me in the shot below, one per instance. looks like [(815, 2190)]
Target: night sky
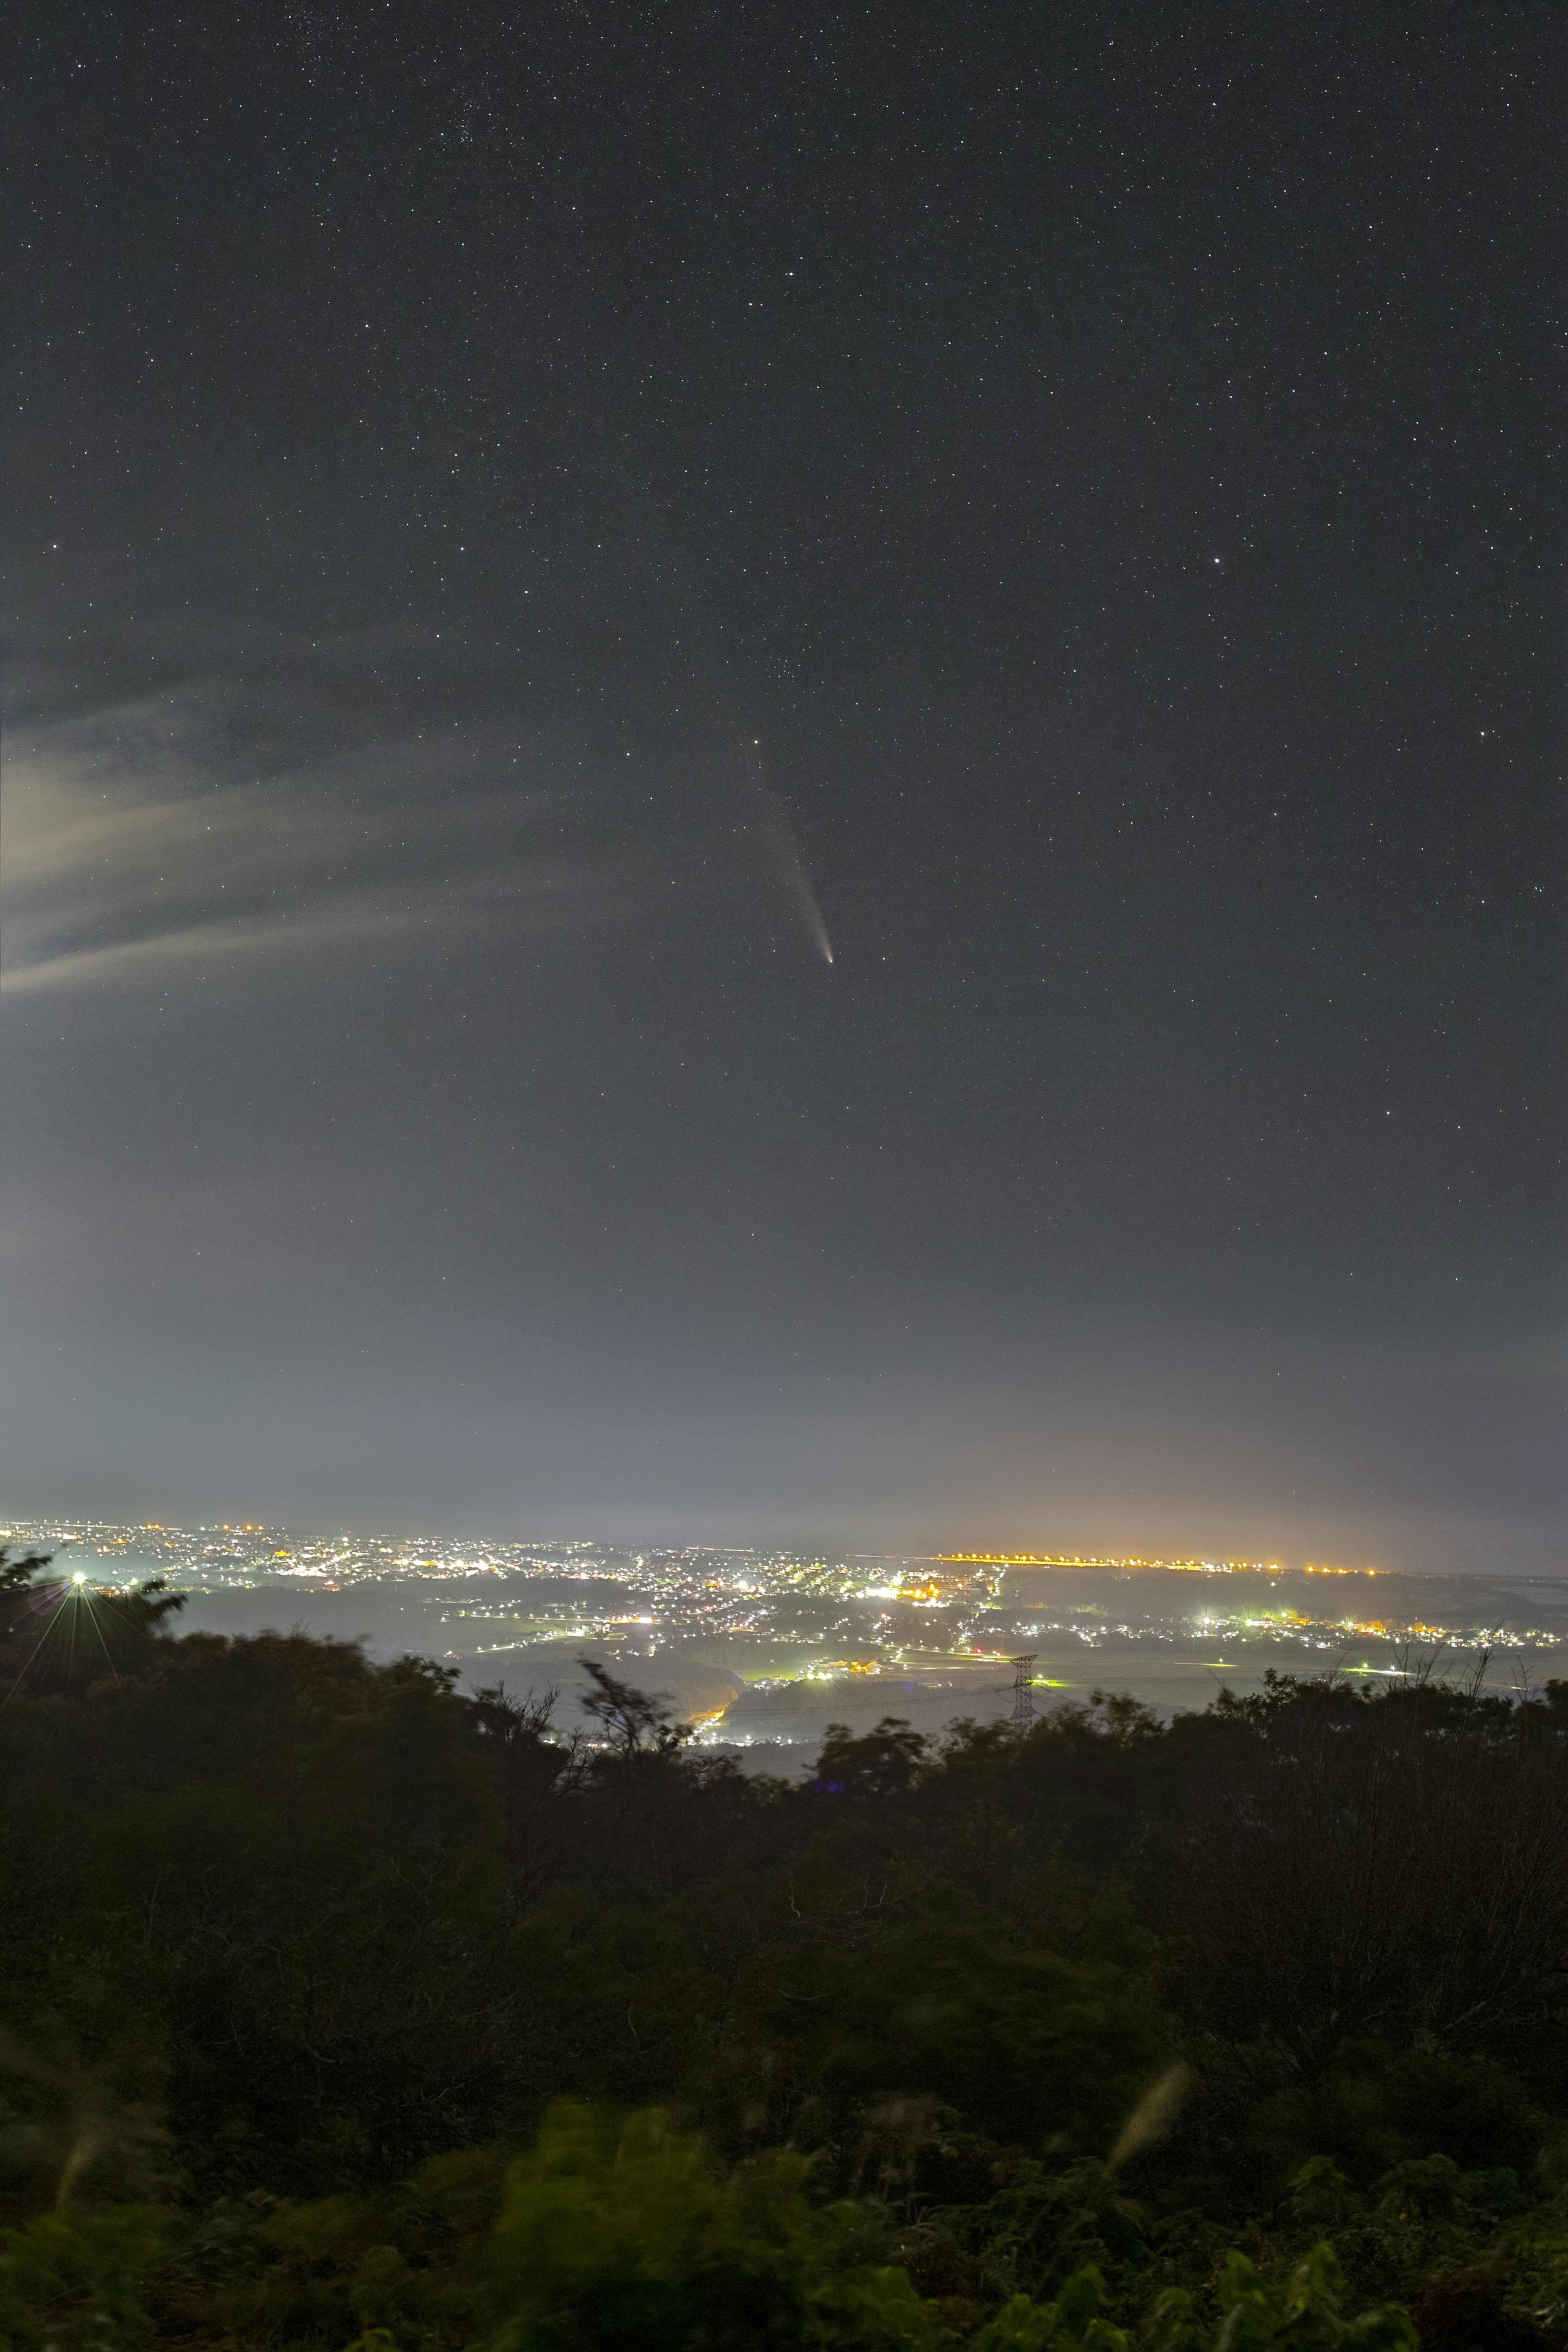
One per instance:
[(786, 775)]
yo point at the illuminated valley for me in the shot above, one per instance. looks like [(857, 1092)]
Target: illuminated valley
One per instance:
[(761, 1648)]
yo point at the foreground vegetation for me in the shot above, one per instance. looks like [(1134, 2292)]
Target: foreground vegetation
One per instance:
[(340, 2009)]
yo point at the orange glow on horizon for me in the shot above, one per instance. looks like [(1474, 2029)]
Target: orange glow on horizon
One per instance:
[(1135, 1560)]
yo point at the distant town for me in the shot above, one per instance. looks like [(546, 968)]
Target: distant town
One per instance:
[(761, 1647)]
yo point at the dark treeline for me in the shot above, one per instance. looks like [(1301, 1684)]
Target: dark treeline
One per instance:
[(343, 2007)]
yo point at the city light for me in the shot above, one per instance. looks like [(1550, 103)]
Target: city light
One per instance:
[(773, 1621)]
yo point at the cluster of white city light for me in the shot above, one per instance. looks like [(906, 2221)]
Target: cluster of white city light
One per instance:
[(789, 1616)]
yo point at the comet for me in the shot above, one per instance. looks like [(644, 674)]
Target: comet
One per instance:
[(784, 851)]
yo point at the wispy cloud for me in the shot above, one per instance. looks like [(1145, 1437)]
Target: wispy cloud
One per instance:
[(142, 849), (204, 947)]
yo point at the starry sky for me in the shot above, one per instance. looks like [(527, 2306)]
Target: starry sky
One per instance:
[(786, 775)]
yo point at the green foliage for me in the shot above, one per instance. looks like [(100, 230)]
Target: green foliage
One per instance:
[(406, 2259), (1044, 2224), (1305, 2310), (1087, 2035), (1076, 2322), (611, 2238), (1038, 2051), (1374, 2105), (74, 2282), (1422, 2221), (76, 2128)]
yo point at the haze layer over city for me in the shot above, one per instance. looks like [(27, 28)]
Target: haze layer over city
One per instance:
[(761, 1649)]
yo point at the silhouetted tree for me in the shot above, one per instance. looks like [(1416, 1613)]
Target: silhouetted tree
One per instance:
[(634, 1723)]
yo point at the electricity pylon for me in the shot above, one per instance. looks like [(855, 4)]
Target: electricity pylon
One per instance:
[(1023, 1694)]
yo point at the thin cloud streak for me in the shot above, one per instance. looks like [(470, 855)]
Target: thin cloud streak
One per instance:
[(286, 936), (136, 854)]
